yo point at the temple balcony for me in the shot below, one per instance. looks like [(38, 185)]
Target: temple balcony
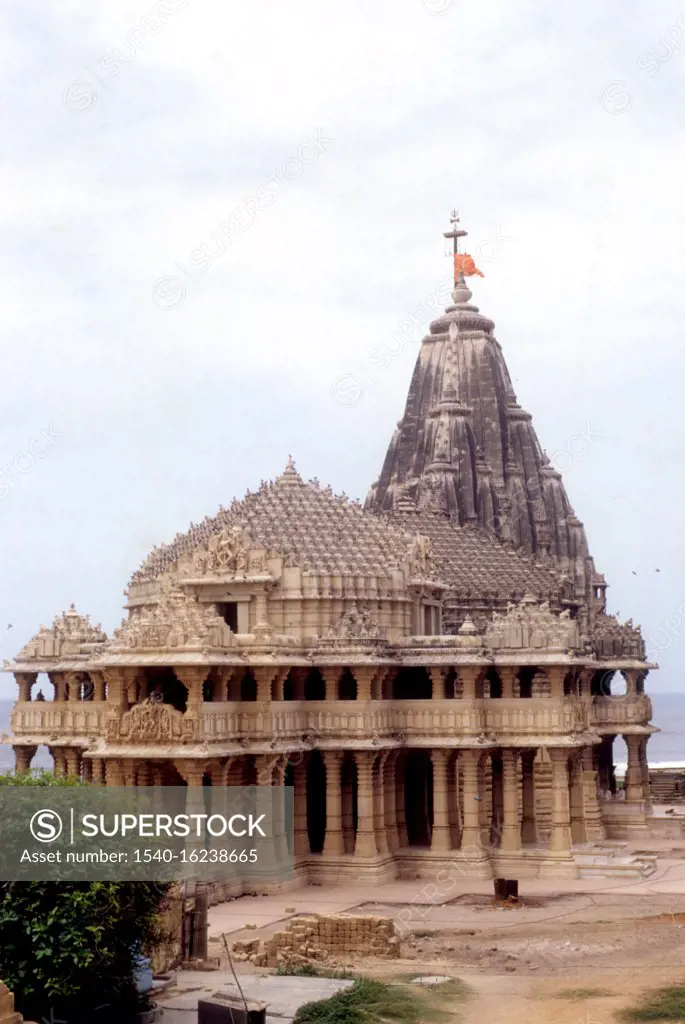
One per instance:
[(74, 721), (447, 722), (613, 714)]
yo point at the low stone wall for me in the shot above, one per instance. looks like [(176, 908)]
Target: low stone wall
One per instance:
[(667, 785), (324, 937)]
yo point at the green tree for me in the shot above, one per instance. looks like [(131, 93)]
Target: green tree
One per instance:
[(67, 950)]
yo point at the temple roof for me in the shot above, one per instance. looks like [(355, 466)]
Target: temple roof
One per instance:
[(475, 564), (465, 448), (307, 524), (71, 635), (317, 530)]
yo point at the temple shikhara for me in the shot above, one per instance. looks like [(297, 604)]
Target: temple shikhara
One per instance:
[(434, 672)]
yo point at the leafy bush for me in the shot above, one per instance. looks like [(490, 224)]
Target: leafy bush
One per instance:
[(67, 949)]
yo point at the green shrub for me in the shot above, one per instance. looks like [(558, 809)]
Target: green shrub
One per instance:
[(366, 1002), (67, 948)]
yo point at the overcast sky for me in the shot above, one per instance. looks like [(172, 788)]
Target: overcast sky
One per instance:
[(322, 147)]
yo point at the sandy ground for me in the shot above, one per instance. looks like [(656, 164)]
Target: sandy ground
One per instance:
[(571, 952)]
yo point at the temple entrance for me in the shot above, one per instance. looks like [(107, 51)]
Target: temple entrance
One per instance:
[(316, 801), (418, 797)]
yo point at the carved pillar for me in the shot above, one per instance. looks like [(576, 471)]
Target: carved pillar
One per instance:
[(469, 760), (97, 680), (379, 804), (644, 770), (260, 606), (560, 839), (440, 839), (301, 845), (366, 840), (507, 675), (114, 772), (264, 677), (278, 682), (438, 675), (400, 808), (22, 759), (331, 677), (193, 678), (25, 681), (576, 799), (73, 767), (117, 686), (556, 675), (585, 681), (470, 676), (529, 829), (73, 686), (511, 833), (390, 800), (631, 676), (633, 779), (364, 675), (129, 769), (333, 842), (279, 816), (97, 771), (594, 826)]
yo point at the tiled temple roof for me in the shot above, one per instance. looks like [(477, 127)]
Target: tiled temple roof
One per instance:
[(303, 521), (322, 531), (470, 561)]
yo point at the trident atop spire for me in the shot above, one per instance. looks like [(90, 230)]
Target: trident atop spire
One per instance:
[(456, 233), (463, 263)]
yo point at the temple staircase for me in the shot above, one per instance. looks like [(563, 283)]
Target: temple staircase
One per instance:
[(611, 859)]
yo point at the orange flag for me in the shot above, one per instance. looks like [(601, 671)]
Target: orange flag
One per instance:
[(463, 263)]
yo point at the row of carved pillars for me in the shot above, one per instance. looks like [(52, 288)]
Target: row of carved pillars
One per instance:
[(370, 803), (360, 682)]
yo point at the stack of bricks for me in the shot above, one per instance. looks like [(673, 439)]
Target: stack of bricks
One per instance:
[(323, 937)]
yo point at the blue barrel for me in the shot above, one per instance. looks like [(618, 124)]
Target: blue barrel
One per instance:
[(142, 974)]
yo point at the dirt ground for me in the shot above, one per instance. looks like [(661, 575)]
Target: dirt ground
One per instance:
[(571, 958)]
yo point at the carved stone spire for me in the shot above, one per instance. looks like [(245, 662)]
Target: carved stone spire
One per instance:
[(466, 447)]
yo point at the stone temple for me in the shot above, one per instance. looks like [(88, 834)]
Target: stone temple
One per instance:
[(432, 672)]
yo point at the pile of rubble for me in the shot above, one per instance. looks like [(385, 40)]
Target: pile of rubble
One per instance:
[(322, 937)]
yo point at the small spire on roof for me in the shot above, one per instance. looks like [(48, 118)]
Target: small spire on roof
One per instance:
[(289, 475)]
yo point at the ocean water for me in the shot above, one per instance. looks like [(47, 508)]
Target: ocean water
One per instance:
[(665, 746)]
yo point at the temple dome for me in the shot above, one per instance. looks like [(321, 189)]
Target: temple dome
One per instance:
[(301, 521)]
